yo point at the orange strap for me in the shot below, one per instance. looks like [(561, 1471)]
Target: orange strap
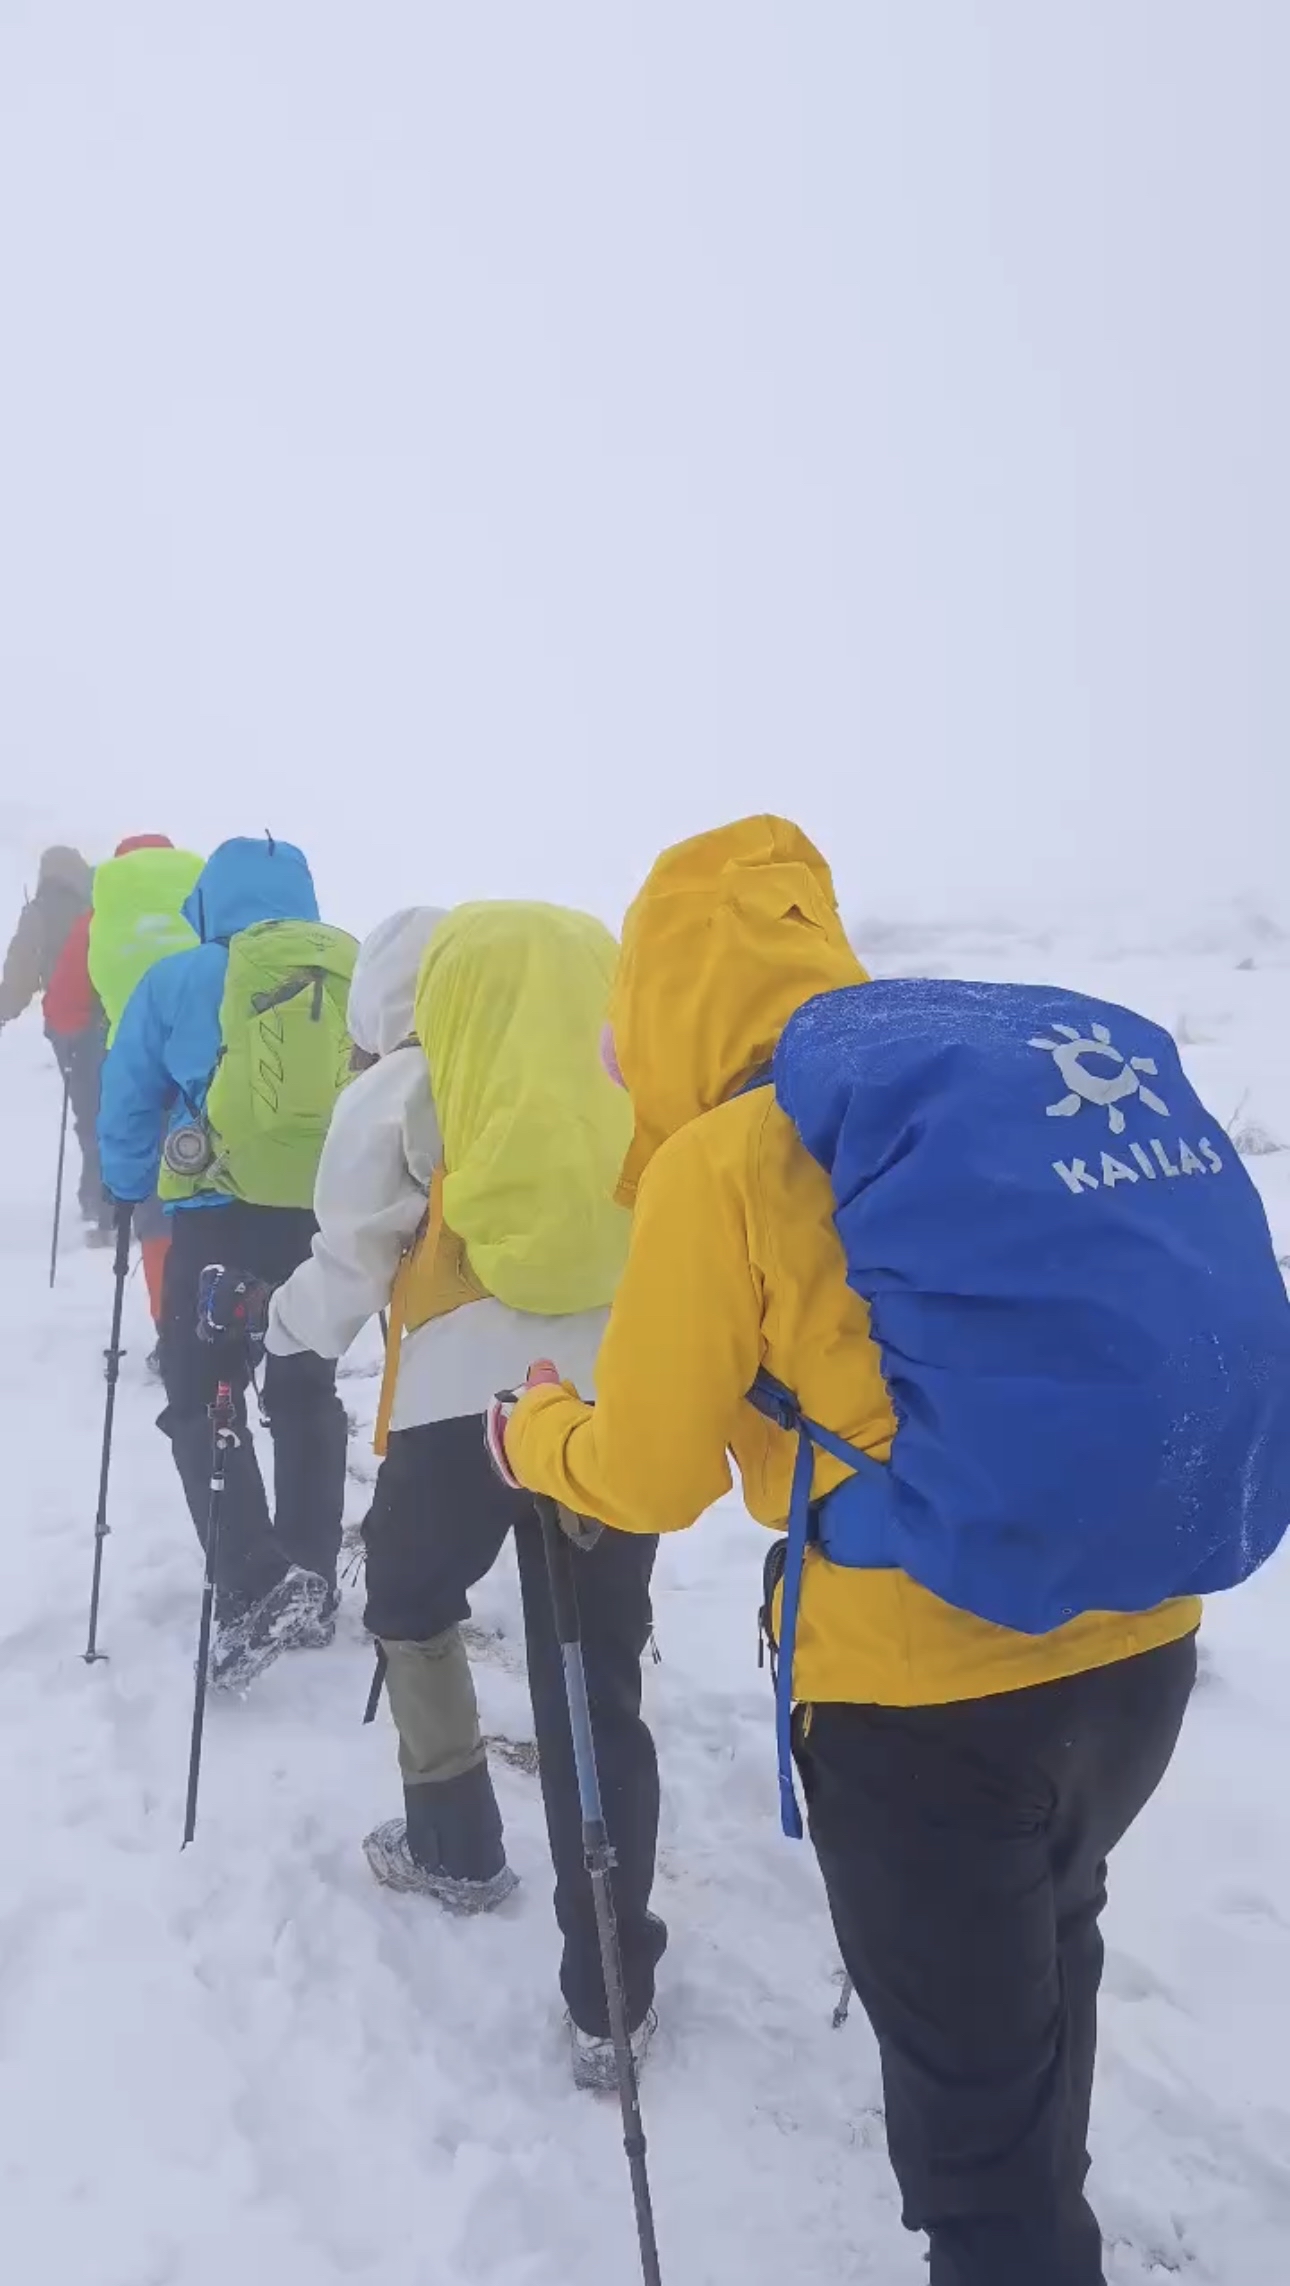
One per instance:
[(427, 1237)]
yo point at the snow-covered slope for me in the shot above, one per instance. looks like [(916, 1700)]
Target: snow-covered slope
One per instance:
[(248, 2063)]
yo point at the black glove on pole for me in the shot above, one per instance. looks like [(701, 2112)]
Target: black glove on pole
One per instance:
[(561, 1563), (233, 1305), (121, 1266), (58, 1179)]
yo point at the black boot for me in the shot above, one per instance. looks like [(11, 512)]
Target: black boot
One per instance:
[(448, 1847), (288, 1618)]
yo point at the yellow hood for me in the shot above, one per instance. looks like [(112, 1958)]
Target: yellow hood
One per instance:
[(510, 1004), (731, 932)]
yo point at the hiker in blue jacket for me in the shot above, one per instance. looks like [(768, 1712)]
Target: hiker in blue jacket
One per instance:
[(235, 1050)]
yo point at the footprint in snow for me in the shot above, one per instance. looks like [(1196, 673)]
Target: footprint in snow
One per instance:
[(520, 1753), (1246, 1905), (492, 1646)]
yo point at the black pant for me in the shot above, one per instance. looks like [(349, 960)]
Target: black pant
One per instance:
[(306, 1417), (964, 1852), (80, 1060), (438, 1519)]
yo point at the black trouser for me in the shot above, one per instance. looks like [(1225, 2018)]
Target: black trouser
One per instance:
[(80, 1060), (438, 1519), (306, 1417), (964, 1852)]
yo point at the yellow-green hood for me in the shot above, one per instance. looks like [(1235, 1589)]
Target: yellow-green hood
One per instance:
[(510, 1003)]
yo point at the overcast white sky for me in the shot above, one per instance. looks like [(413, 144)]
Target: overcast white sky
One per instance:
[(487, 439)]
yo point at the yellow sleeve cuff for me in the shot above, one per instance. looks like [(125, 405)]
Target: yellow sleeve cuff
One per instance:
[(536, 1434)]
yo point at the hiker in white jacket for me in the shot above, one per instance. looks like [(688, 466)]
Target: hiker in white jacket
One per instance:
[(439, 1517), (382, 1148)]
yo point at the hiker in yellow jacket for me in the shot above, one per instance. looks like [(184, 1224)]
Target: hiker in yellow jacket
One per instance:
[(965, 1784)]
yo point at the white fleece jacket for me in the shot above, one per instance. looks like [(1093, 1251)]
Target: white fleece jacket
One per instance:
[(373, 1182)]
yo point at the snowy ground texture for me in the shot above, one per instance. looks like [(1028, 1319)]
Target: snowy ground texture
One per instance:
[(249, 2063)]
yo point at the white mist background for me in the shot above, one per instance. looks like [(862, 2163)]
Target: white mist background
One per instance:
[(486, 440)]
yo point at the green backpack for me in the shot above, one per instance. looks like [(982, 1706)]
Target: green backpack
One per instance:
[(284, 1061)]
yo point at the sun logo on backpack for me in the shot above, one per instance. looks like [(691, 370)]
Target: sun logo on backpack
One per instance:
[(1109, 1090)]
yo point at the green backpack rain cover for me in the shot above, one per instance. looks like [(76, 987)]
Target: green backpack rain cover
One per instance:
[(284, 1061), (136, 920)]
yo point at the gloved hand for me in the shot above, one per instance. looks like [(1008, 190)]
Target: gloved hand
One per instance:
[(495, 1420), (584, 1531), (543, 1375), (232, 1305)]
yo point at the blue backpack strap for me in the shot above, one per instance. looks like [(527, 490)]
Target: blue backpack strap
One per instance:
[(779, 1405), (777, 1402)]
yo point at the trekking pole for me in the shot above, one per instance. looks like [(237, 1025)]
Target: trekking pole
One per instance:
[(58, 1180), (223, 1434), (600, 1859), (120, 1267)]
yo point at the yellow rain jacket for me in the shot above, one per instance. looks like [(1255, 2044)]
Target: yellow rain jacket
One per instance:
[(509, 1008), (735, 1265)]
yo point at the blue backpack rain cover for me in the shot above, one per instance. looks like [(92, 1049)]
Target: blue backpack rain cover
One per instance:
[(1071, 1281)]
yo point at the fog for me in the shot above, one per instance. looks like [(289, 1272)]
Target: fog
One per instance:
[(488, 439)]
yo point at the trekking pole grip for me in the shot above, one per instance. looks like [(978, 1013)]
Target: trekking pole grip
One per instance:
[(120, 1272)]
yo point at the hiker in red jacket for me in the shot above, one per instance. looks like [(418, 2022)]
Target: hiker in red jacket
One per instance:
[(48, 954)]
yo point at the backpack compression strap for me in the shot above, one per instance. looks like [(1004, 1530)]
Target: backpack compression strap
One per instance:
[(779, 1405), (302, 981)]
